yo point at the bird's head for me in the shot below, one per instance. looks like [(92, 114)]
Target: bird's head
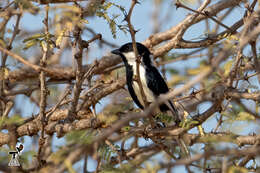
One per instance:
[(127, 53)]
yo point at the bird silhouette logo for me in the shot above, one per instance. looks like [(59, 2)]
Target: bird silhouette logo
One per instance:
[(15, 155)]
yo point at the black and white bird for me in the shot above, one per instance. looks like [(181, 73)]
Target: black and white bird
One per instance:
[(152, 82)]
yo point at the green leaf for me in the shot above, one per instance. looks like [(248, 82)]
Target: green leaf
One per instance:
[(43, 45), (2, 43), (105, 15), (60, 38), (69, 166), (105, 152), (102, 12), (189, 2), (198, 70), (26, 156), (35, 36), (4, 73), (126, 128), (15, 119), (107, 5), (250, 86), (82, 136), (172, 71), (121, 8), (30, 43), (84, 21), (26, 5), (237, 169), (245, 116), (99, 14), (188, 122), (227, 67), (112, 26), (165, 118)]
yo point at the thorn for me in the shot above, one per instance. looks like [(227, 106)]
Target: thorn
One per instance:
[(99, 36), (246, 77), (77, 55), (177, 4), (125, 16), (220, 109), (206, 13), (135, 31), (84, 44)]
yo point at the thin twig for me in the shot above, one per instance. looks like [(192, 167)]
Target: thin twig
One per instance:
[(65, 94), (137, 56), (22, 60), (226, 152), (43, 89), (178, 4), (7, 6)]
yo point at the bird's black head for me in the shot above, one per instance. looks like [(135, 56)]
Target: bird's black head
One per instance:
[(127, 53)]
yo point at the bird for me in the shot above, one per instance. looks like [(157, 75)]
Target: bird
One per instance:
[(20, 148), (153, 83)]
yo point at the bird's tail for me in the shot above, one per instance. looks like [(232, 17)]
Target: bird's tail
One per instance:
[(173, 110)]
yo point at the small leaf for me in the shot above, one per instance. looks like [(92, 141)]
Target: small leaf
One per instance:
[(99, 14), (2, 43), (122, 9), (70, 8), (227, 67), (188, 1), (83, 137), (188, 122), (244, 116), (237, 169), (252, 87), (15, 119), (105, 15), (165, 118), (225, 35), (35, 36), (201, 130), (9, 30), (3, 73), (43, 45), (84, 21), (172, 71), (128, 99), (185, 114), (26, 5), (108, 5), (68, 164), (112, 26), (194, 71), (30, 43), (126, 128)]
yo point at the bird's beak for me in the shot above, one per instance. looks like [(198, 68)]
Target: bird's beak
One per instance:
[(116, 51)]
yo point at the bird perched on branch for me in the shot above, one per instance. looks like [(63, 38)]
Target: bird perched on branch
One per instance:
[(152, 82)]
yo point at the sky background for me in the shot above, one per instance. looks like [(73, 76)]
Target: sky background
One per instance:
[(141, 20)]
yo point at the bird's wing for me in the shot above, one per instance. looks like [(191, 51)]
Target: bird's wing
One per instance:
[(158, 86), (155, 81)]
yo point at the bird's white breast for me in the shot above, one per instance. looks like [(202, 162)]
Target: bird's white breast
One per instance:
[(148, 93)]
